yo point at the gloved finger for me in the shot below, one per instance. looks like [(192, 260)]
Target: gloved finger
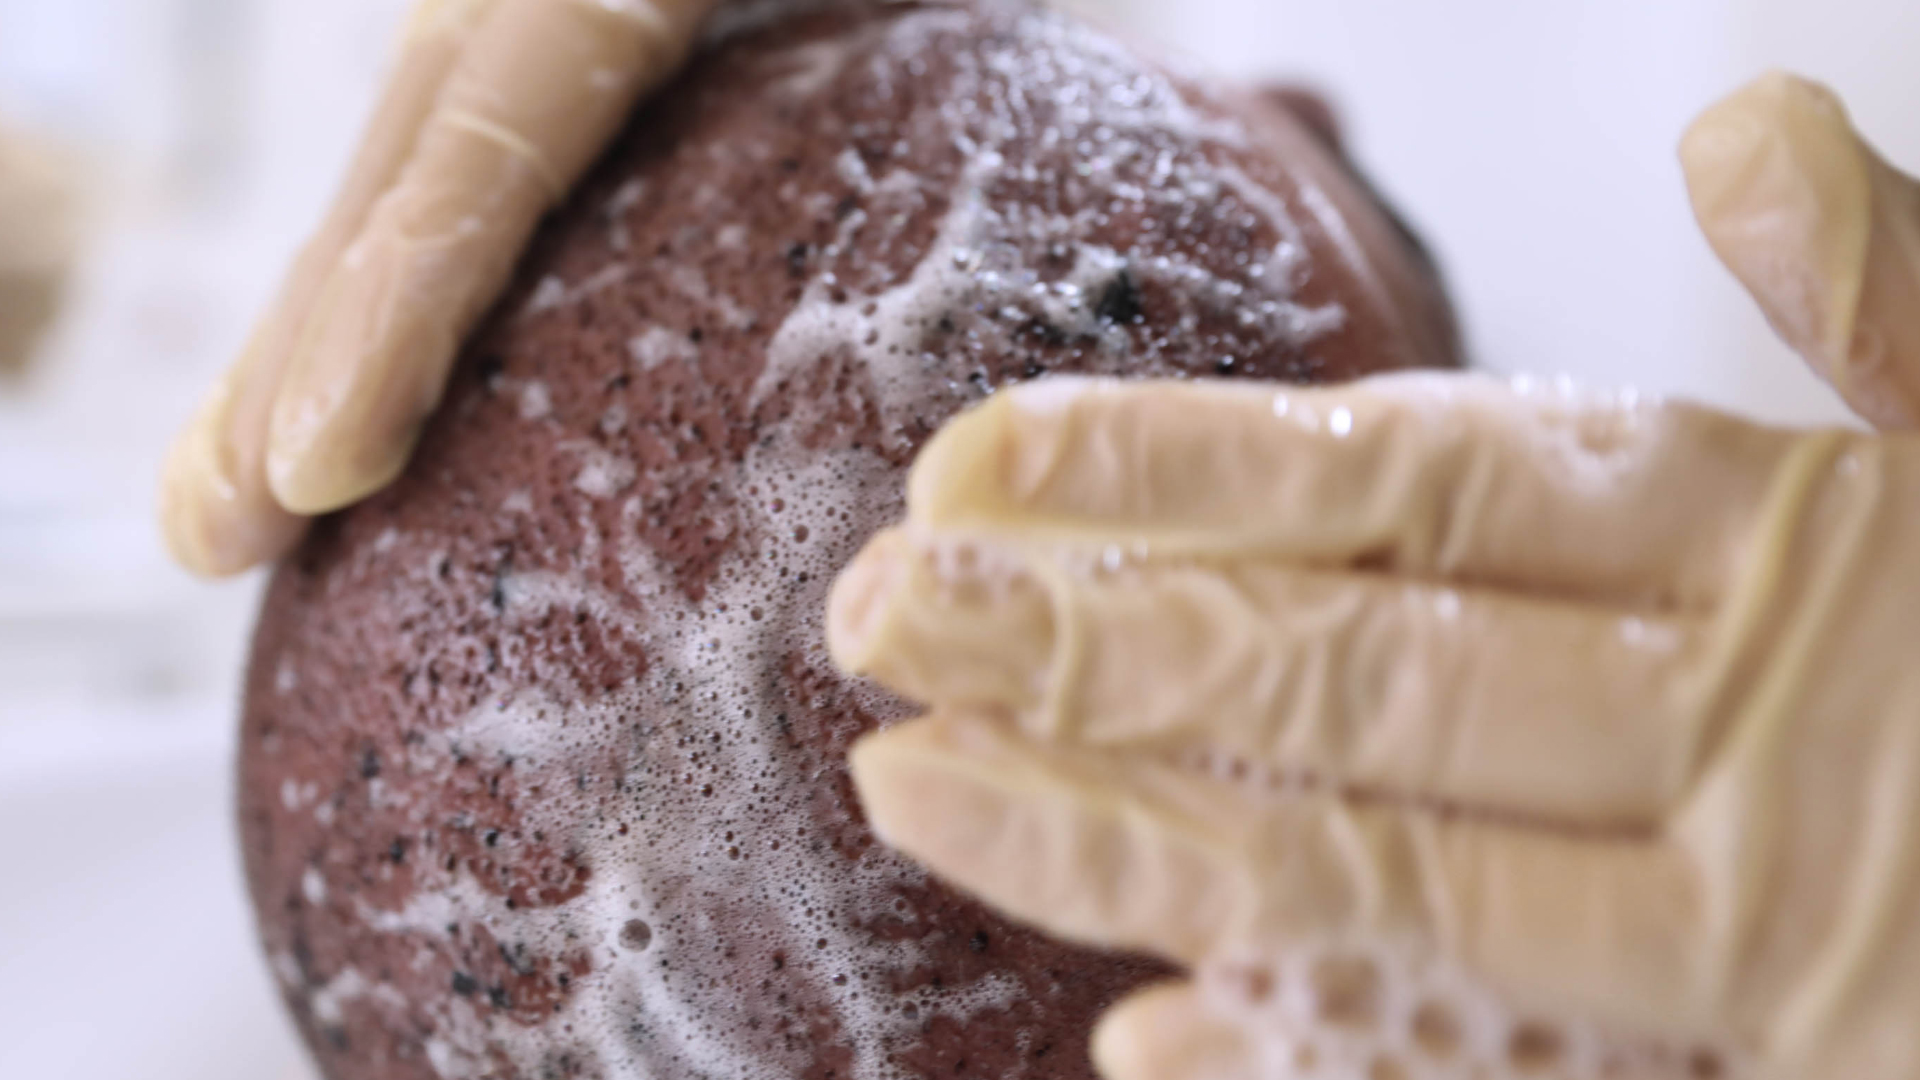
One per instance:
[(40, 217), (1468, 696), (1451, 478), (541, 87), (1169, 1032), (1138, 853), (1046, 839), (217, 512), (1352, 1011), (1822, 232)]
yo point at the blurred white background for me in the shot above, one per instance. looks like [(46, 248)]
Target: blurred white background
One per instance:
[(1533, 141)]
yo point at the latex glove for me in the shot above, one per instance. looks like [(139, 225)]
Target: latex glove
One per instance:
[(494, 111), (39, 212), (1822, 232), (1444, 728)]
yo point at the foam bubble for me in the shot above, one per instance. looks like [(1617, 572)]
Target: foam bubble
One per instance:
[(536, 402), (660, 345), (1352, 1011)]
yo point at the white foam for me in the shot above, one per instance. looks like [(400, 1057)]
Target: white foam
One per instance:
[(887, 334), (694, 286), (660, 345), (551, 293), (624, 199), (313, 886), (809, 69), (853, 169), (536, 402), (602, 474), (285, 968), (548, 294), (711, 667)]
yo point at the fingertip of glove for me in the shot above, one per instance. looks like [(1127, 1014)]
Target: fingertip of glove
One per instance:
[(1166, 1032)]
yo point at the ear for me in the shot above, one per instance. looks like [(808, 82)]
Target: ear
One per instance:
[(1308, 106)]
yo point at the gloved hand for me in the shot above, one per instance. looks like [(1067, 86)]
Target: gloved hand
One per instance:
[(39, 225), (495, 109), (1442, 728), (1822, 232), (1438, 725)]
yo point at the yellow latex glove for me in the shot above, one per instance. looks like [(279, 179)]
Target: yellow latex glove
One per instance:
[(494, 111), (1442, 728), (39, 196), (1822, 232)]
